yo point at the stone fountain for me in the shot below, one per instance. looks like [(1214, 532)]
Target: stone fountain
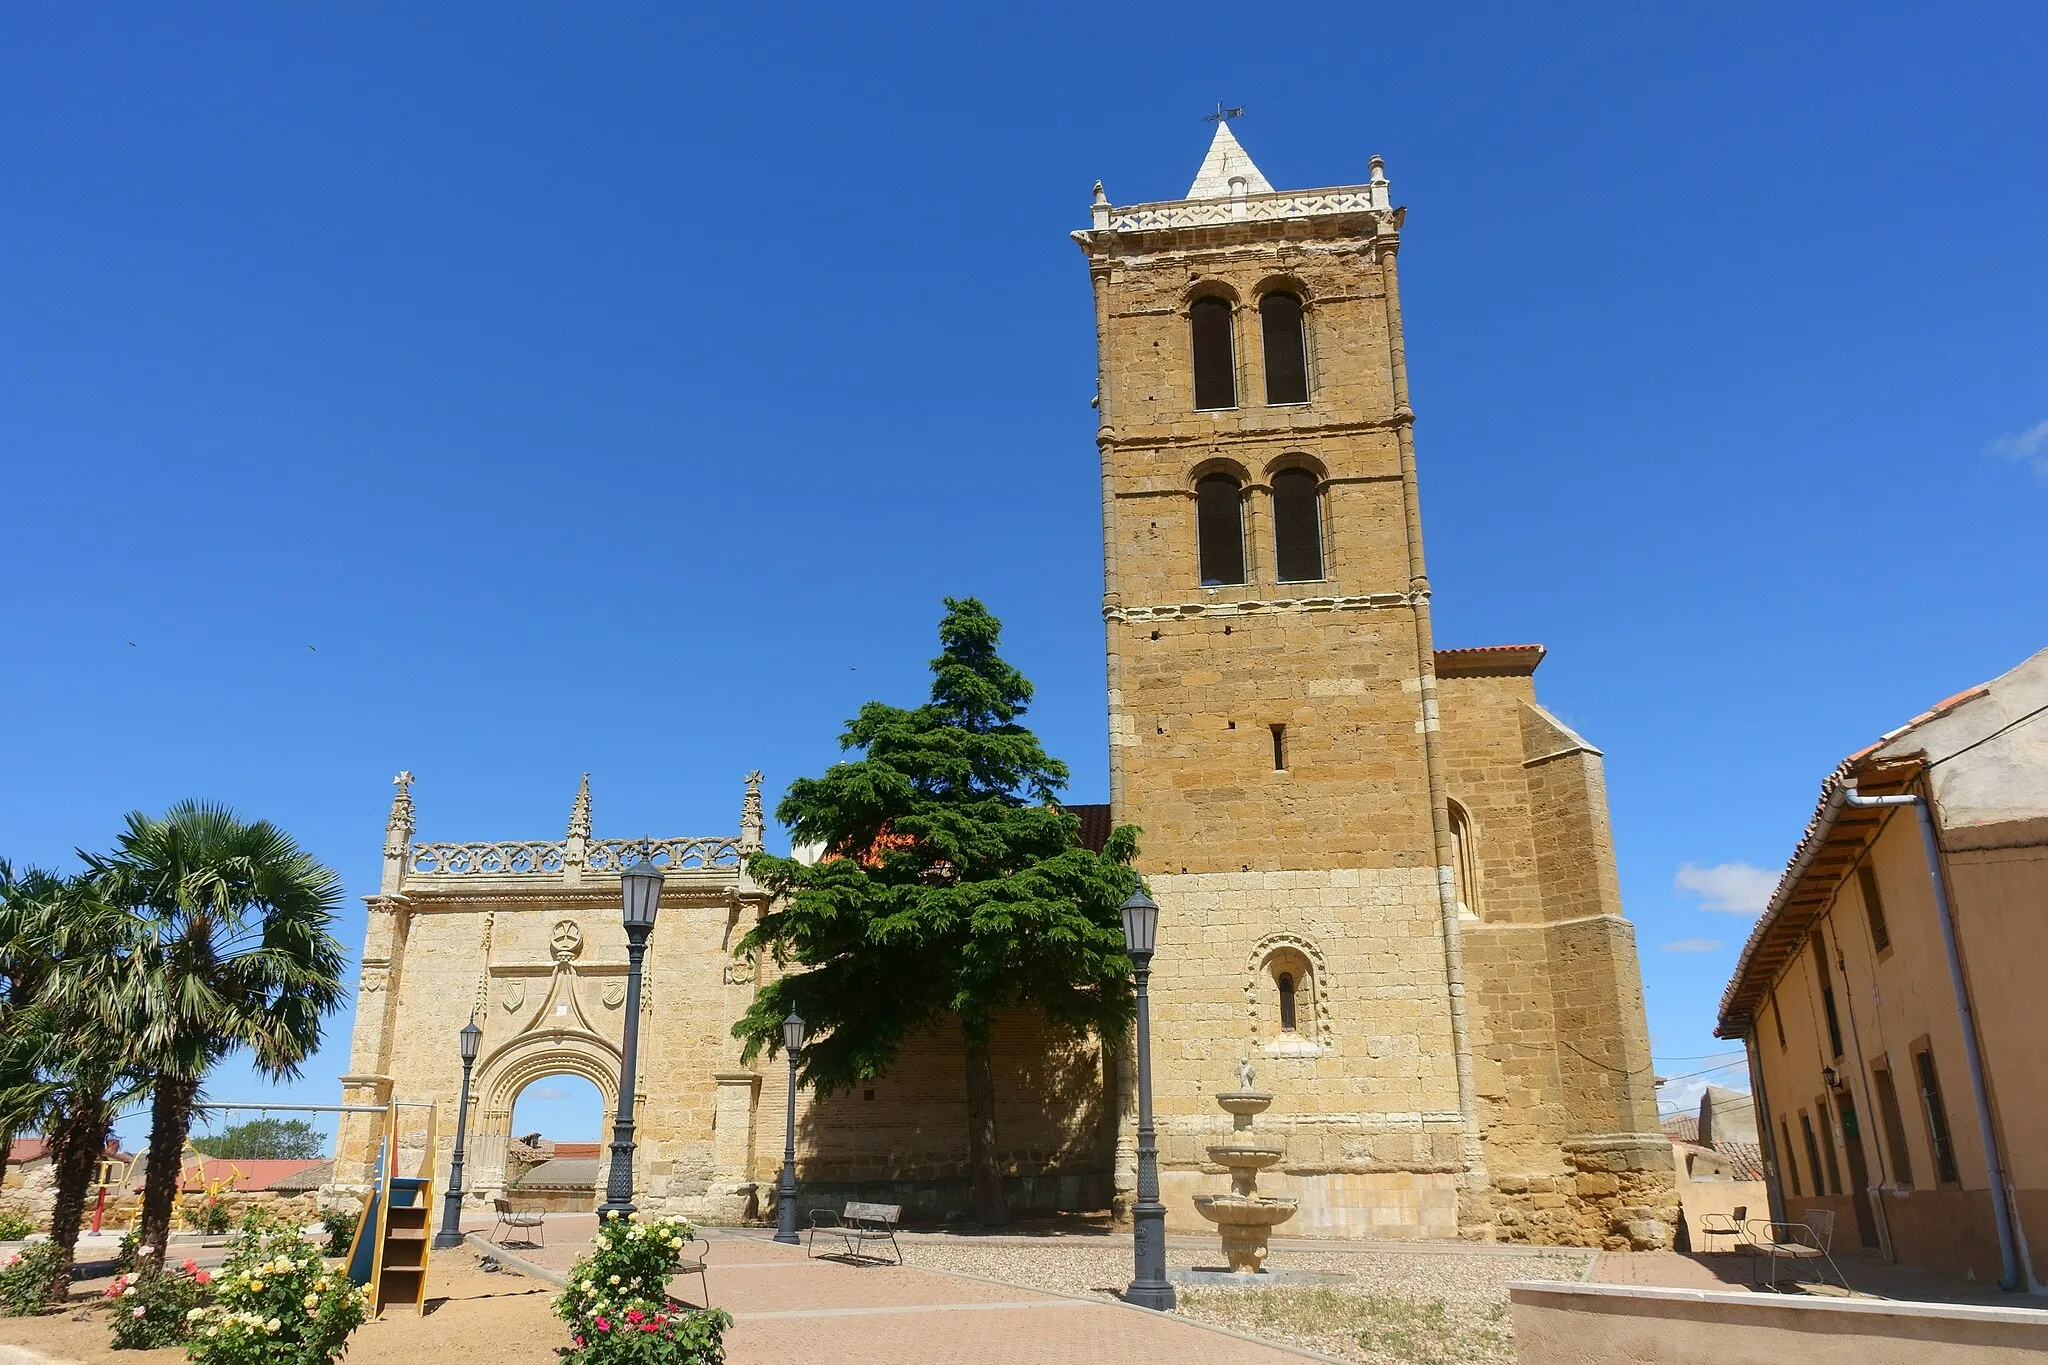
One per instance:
[(1244, 1217)]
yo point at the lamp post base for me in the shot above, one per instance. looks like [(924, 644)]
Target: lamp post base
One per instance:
[(1155, 1296)]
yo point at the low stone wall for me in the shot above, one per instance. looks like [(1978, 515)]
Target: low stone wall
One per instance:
[(930, 1201), (1594, 1324)]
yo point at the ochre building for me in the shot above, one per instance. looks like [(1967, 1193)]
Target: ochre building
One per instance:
[(1385, 872)]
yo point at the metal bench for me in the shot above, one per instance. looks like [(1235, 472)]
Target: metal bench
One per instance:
[(519, 1220), (858, 1225)]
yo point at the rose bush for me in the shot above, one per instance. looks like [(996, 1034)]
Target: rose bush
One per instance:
[(617, 1305), (26, 1277), (156, 1310), (275, 1302)]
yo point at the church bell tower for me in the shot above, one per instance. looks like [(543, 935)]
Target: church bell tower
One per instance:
[(1274, 720)]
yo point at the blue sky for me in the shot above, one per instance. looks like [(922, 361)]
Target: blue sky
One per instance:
[(504, 391)]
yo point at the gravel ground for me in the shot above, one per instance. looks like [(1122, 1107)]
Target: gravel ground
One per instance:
[(1395, 1307)]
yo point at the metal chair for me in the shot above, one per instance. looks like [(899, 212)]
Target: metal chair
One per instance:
[(1809, 1239), (519, 1220), (1714, 1225), (696, 1265)]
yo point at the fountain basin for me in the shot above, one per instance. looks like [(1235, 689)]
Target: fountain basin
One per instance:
[(1244, 1102), (1245, 1156), (1237, 1210)]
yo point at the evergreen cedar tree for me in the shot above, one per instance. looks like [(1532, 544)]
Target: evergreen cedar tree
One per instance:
[(954, 887)]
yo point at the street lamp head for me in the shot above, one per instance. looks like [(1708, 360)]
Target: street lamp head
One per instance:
[(793, 1033), (472, 1038), (640, 885), (1141, 925), (1828, 1077)]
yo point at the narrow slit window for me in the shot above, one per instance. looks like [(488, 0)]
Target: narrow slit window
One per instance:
[(1937, 1120), (1873, 907), (1462, 859), (1778, 1021), (1215, 357), (1827, 1147), (1812, 1152), (1286, 348), (1280, 748), (1894, 1121), (1788, 1165), (1219, 530), (1298, 525), (1286, 983), (1819, 944)]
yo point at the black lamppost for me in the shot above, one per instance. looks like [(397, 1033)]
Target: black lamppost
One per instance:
[(1149, 1288), (785, 1191), (450, 1234), (640, 889)]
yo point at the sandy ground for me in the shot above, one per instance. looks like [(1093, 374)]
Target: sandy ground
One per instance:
[(488, 1319)]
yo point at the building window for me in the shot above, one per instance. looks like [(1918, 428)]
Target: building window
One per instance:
[(1819, 945), (1286, 349), (1937, 1119), (1873, 906), (1286, 1002), (1215, 357), (1280, 748), (1777, 1021), (1812, 1152), (1827, 1148), (1298, 525), (1219, 529), (1787, 1166), (1894, 1122), (1463, 860)]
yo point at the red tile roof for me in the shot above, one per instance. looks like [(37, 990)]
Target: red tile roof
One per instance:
[(1489, 661), (250, 1176)]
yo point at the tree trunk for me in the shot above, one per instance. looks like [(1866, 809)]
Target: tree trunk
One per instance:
[(75, 1150), (170, 1118), (987, 1177)]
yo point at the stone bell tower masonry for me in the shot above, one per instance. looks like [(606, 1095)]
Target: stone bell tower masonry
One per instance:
[(1342, 826)]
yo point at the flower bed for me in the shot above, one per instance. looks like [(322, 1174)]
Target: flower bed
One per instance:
[(617, 1305), (275, 1302), (156, 1310)]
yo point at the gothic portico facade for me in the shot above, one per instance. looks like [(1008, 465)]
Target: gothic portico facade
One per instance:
[(526, 938)]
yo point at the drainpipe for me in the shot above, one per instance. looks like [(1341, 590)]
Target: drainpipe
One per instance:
[(1993, 1161)]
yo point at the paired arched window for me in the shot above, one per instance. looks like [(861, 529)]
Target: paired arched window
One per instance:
[(1298, 525), (1215, 356), (1219, 529), (1286, 348)]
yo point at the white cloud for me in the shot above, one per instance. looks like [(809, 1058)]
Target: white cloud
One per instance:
[(544, 1092), (2027, 447), (1733, 888), (1683, 1097), (1692, 945)]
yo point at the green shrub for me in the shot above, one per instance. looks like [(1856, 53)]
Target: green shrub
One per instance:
[(617, 1306), (210, 1215), (275, 1303), (124, 1259), (26, 1277), (156, 1310), (15, 1227), (341, 1230)]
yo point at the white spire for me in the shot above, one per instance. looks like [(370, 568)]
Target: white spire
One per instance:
[(1226, 163)]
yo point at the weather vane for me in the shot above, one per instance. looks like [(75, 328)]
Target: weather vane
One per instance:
[(1223, 115)]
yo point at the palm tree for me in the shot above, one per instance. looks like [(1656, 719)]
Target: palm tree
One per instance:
[(63, 1071), (237, 953)]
